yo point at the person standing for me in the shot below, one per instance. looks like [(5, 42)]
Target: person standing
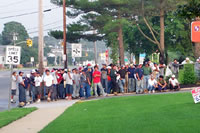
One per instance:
[(55, 84), (76, 83), (175, 67), (109, 80), (113, 75), (104, 80), (69, 84), (38, 86), (32, 85), (147, 71), (48, 83), (61, 84), (156, 71), (131, 78), (88, 82), (139, 79), (122, 72), (97, 81), (13, 86), (22, 91)]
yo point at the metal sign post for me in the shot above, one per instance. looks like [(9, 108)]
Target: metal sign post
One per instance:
[(13, 55)]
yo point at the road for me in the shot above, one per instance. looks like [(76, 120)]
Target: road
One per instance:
[(4, 86)]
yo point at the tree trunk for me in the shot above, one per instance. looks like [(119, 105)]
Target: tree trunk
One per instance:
[(137, 58), (162, 33), (197, 49), (121, 46)]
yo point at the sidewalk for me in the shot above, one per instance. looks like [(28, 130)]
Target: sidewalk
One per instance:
[(38, 119)]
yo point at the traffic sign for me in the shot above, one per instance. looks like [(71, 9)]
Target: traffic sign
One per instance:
[(76, 50), (195, 31), (13, 55), (196, 95)]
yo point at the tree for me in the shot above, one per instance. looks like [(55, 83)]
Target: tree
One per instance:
[(191, 11), (13, 27), (157, 8), (109, 16)]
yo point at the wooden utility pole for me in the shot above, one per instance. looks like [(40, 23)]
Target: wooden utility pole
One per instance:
[(64, 35), (40, 39)]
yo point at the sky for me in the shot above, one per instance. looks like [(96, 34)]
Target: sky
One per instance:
[(52, 19)]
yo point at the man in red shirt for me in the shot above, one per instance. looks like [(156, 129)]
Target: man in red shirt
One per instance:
[(97, 81)]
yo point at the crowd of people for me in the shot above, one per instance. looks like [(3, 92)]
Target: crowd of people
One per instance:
[(86, 82)]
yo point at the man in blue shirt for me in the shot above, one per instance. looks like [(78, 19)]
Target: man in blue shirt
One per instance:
[(131, 78), (139, 79)]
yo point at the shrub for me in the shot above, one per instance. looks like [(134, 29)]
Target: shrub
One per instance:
[(187, 74)]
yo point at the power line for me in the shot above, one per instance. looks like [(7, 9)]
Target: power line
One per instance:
[(14, 3), (24, 10), (46, 24), (45, 29), (24, 14)]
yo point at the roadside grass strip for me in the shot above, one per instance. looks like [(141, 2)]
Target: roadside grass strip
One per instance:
[(7, 117)]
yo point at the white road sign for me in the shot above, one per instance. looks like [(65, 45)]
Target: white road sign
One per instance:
[(76, 50), (13, 55)]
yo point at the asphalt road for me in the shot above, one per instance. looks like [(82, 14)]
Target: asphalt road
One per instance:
[(4, 89)]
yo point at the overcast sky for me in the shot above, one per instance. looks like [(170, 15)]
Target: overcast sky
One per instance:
[(52, 19)]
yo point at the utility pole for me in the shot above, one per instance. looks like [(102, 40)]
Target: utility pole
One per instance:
[(64, 35), (40, 38)]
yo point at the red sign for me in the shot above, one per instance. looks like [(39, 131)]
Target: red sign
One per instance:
[(195, 31), (196, 95)]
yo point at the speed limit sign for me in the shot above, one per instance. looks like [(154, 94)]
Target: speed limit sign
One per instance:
[(13, 55)]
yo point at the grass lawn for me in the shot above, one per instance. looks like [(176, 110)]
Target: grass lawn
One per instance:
[(7, 117), (170, 113)]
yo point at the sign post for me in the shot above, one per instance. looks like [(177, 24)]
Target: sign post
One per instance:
[(13, 55)]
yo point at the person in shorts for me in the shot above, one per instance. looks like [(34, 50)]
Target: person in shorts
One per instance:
[(48, 82), (38, 81), (69, 84), (13, 87)]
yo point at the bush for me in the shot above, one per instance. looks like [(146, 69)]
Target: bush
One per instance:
[(187, 75)]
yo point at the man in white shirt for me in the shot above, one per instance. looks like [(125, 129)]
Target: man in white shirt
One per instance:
[(68, 77), (48, 82), (174, 84), (13, 86), (38, 81), (152, 84), (76, 83)]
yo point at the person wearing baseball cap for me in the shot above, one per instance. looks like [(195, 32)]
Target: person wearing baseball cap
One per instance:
[(22, 90), (174, 84)]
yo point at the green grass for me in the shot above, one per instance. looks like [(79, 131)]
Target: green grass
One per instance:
[(7, 117), (170, 113)]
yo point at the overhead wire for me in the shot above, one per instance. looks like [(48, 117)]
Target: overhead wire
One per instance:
[(24, 14), (45, 30), (13, 3)]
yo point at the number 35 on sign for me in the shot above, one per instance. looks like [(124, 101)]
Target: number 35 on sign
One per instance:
[(13, 55)]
